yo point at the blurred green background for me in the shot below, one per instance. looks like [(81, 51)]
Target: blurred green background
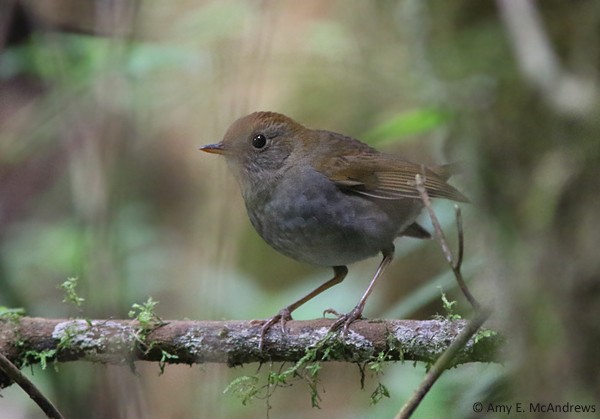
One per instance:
[(102, 109)]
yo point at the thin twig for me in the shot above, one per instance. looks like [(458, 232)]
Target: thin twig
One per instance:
[(441, 237), (27, 385), (420, 184), (461, 238), (448, 357), (443, 363)]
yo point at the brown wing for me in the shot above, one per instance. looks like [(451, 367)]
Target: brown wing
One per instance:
[(387, 177)]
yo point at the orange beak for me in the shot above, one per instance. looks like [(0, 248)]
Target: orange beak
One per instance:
[(213, 148)]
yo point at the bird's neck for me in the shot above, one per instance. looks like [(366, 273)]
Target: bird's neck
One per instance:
[(258, 189)]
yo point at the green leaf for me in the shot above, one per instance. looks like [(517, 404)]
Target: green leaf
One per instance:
[(409, 123), (70, 289), (245, 387), (380, 392)]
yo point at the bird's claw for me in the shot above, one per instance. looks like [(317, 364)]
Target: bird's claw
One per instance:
[(331, 311), (282, 318), (346, 320)]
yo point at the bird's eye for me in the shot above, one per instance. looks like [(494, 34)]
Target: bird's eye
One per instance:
[(259, 141)]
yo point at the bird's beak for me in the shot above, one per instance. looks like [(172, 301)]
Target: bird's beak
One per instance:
[(213, 148)]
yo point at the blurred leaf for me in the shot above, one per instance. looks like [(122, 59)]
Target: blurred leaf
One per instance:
[(417, 121), (11, 313), (16, 60), (51, 248), (145, 59), (76, 58)]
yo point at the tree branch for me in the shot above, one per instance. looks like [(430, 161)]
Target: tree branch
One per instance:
[(31, 340)]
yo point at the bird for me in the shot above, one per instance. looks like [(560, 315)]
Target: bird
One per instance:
[(326, 199)]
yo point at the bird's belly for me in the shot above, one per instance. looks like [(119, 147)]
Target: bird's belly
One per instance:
[(325, 226)]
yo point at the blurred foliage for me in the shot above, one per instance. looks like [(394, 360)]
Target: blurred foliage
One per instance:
[(407, 124)]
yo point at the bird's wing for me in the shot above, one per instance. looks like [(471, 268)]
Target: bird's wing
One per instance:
[(386, 177)]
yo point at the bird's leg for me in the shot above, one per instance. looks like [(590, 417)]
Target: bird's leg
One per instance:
[(285, 314), (356, 312)]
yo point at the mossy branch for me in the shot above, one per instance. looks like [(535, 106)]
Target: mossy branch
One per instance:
[(231, 342)]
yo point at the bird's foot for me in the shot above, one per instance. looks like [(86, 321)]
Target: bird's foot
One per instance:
[(282, 318), (345, 320)]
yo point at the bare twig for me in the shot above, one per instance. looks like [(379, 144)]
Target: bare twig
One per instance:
[(27, 385), (455, 264), (461, 239), (448, 357), (442, 364)]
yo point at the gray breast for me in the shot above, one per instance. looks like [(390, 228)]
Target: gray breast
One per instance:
[(308, 218)]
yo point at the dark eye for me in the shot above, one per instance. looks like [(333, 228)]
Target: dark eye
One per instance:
[(259, 141)]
